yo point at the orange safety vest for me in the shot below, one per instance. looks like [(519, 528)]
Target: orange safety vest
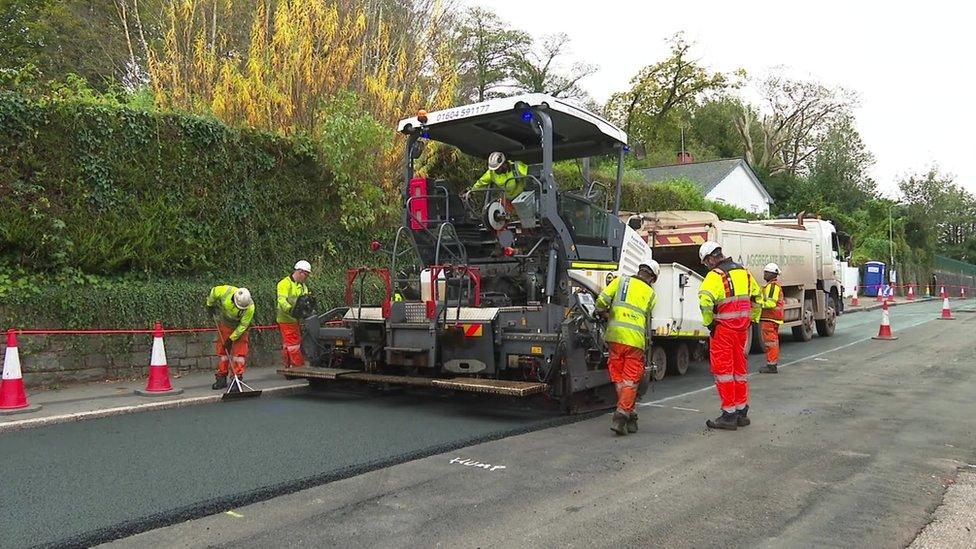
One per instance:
[(734, 310), (770, 292)]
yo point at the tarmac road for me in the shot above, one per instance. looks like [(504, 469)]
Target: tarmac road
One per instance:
[(97, 480)]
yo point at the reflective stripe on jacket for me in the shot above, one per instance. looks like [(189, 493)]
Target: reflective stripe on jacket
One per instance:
[(506, 181), (773, 302), (229, 313), (630, 301), (730, 295), (288, 293)]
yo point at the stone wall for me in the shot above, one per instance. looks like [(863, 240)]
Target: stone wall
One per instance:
[(57, 360)]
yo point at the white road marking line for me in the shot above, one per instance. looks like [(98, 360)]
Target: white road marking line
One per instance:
[(234, 514), (685, 409), (781, 366)]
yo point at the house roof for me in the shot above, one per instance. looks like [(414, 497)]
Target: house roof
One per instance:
[(706, 174)]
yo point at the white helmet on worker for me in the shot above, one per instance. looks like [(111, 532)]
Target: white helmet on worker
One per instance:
[(242, 298), (495, 160), (707, 249), (771, 268), (652, 265), (303, 266)]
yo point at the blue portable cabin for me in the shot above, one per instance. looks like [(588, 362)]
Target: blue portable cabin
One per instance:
[(874, 277)]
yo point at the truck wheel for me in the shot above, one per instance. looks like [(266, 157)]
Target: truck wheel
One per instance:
[(660, 358), (825, 327), (804, 332), (678, 358)]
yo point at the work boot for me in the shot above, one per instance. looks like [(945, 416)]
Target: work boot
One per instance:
[(725, 421), (769, 369), (220, 383), (740, 417), (619, 423), (632, 423)]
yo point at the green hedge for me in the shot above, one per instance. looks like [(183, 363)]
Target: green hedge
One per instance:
[(109, 190)]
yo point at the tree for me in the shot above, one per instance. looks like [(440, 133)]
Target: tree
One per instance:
[(540, 70), (797, 116), (660, 89), (487, 54)]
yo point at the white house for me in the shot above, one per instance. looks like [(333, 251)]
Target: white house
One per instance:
[(729, 181)]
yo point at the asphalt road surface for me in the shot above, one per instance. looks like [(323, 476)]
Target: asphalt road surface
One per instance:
[(835, 436)]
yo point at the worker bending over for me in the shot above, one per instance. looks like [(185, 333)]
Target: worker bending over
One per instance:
[(506, 175), (290, 289), (772, 316), (729, 300), (233, 309), (630, 300)]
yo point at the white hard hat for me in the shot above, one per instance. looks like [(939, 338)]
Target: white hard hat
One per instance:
[(303, 266), (242, 298), (771, 268), (652, 265), (495, 160), (707, 249)]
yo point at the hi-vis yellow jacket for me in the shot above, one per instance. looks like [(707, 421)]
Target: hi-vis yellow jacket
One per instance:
[(730, 295), (772, 302), (229, 313), (288, 293), (630, 301), (506, 181)]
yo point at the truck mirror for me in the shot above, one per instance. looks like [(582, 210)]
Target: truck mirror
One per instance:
[(418, 149), (640, 152), (635, 222)]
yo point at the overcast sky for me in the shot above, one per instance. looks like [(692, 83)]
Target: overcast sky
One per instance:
[(912, 63)]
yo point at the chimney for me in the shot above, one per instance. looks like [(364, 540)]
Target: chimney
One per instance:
[(684, 157)]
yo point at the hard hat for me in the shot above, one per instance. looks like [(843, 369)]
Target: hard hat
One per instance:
[(303, 266), (707, 249), (652, 265), (495, 160), (242, 298), (771, 268)]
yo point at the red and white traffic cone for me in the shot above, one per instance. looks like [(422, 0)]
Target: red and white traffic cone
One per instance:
[(13, 399), (911, 293), (946, 313), (880, 296), (884, 332), (158, 384), (854, 302), (942, 293), (962, 292)]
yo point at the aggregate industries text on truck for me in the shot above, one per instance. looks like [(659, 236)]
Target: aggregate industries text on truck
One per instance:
[(806, 251)]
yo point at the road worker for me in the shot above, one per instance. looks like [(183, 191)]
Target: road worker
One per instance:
[(507, 175), (729, 300), (630, 300), (772, 316), (233, 310), (290, 289)]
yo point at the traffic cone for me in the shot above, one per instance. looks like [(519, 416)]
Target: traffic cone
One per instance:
[(158, 384), (885, 331), (880, 296), (942, 293), (854, 302), (946, 313), (911, 293), (962, 292), (13, 399)]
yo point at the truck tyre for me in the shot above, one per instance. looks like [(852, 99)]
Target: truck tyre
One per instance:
[(660, 358), (678, 358), (756, 341), (804, 332), (825, 327)]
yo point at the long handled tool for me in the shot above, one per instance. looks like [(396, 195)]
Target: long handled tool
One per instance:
[(237, 389)]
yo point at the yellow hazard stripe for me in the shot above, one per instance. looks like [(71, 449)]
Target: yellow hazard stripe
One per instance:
[(594, 266)]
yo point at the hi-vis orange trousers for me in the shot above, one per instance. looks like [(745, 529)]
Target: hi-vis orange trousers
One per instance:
[(626, 366), (238, 350), (729, 366), (291, 345), (770, 334)]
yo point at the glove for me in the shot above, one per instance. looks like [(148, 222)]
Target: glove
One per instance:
[(227, 345), (603, 315), (711, 329)]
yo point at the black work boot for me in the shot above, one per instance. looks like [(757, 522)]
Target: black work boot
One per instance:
[(725, 421), (220, 383), (740, 417), (769, 369), (619, 423), (632, 423)]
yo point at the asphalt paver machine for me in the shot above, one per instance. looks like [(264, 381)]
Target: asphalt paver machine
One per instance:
[(499, 297)]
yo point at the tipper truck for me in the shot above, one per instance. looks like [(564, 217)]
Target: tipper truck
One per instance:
[(806, 251)]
